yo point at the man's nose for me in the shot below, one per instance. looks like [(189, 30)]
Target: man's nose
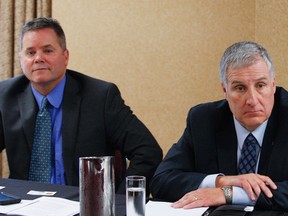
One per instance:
[(252, 99), (39, 58)]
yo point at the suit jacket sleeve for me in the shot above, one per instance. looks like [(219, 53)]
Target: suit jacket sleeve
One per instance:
[(176, 174), (2, 146), (279, 201), (132, 137)]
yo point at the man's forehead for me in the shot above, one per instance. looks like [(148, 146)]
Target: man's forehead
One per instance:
[(41, 47)]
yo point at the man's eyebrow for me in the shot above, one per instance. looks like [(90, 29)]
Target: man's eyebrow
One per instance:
[(47, 46), (28, 48), (262, 78), (257, 80), (237, 82)]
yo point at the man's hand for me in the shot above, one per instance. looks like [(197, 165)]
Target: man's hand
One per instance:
[(201, 197), (252, 183)]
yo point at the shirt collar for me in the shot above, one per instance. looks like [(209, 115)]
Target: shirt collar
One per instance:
[(54, 97), (242, 132)]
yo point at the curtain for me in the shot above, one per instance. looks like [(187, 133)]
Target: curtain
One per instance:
[(13, 14)]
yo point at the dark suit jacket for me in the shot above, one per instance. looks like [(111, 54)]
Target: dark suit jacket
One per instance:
[(209, 146), (95, 123)]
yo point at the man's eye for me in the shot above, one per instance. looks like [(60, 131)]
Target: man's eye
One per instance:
[(239, 88), (261, 85), (30, 53), (48, 51)]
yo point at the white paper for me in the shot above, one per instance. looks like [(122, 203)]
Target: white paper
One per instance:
[(45, 206), (154, 208), (42, 193), (249, 208), (4, 209)]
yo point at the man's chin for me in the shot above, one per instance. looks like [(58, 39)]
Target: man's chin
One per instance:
[(41, 77), (253, 123), (41, 81)]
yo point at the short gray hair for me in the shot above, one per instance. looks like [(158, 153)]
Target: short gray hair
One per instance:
[(243, 54)]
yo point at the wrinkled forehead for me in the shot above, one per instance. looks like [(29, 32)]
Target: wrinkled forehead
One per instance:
[(247, 62)]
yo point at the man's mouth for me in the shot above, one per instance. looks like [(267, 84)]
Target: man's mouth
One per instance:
[(39, 69), (252, 112)]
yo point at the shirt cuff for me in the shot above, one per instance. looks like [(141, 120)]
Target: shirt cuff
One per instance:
[(209, 181), (240, 197)]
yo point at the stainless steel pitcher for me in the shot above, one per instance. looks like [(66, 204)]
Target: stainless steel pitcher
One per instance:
[(97, 186)]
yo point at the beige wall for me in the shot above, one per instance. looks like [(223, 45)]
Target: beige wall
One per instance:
[(164, 54), (272, 32)]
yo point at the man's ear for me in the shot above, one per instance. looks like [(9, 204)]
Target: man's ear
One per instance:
[(274, 85), (224, 90)]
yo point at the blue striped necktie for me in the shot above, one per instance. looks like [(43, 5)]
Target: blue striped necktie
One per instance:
[(249, 155), (40, 164)]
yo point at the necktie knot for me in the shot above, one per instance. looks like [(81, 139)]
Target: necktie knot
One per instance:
[(43, 107), (44, 103), (251, 140)]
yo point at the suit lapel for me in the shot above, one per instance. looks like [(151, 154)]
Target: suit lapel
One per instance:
[(71, 109), (268, 141), (28, 110), (227, 146)]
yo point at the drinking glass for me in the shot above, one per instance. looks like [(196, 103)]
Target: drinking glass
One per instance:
[(135, 195)]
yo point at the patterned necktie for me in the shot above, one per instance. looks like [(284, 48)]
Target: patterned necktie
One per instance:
[(40, 164), (249, 155)]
